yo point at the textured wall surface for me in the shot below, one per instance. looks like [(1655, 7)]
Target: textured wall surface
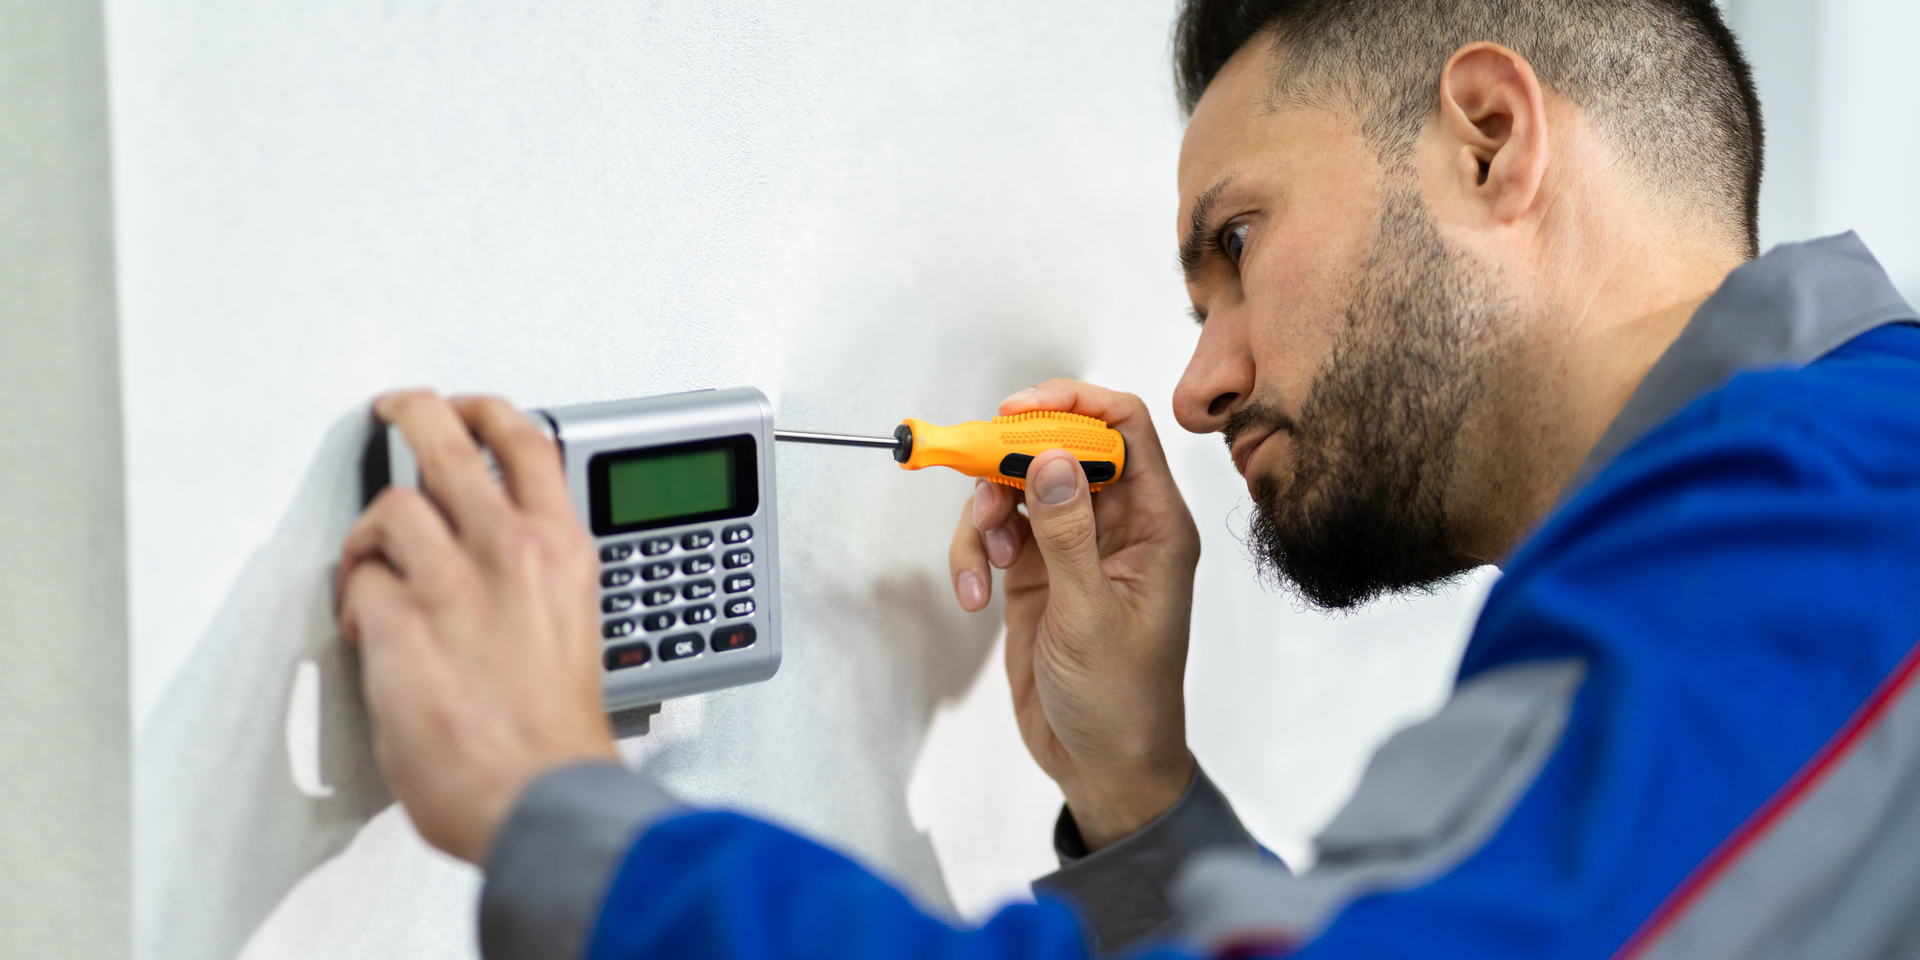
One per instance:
[(65, 810), (868, 210)]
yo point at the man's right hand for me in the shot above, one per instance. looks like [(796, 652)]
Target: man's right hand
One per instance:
[(1099, 598)]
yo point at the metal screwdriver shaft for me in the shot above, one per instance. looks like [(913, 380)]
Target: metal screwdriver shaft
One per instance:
[(836, 439)]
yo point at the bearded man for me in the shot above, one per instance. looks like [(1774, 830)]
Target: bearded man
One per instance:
[(1477, 284)]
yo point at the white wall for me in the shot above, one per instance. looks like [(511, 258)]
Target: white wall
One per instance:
[(868, 210), (1842, 107), (65, 749)]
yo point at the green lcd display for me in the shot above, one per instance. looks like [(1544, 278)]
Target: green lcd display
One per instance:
[(646, 489), (671, 485)]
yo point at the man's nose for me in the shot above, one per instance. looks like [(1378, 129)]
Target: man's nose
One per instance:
[(1218, 378)]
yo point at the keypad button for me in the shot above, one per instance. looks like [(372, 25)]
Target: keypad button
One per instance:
[(740, 583), (617, 578), (698, 590), (740, 607), (657, 596), (626, 655), (700, 614), (685, 645), (657, 546), (694, 565), (616, 628), (616, 553), (657, 621), (697, 540), (735, 559), (618, 603), (738, 533), (656, 571), (733, 638)]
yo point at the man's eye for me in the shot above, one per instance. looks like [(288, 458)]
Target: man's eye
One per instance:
[(1235, 241)]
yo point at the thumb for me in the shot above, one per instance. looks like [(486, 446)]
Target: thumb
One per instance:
[(1060, 509)]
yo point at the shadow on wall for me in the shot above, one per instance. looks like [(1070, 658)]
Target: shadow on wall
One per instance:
[(227, 817), (233, 812)]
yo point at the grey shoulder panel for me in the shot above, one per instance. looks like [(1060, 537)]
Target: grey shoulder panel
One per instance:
[(552, 860), (1431, 797), (1834, 876), (1121, 889)]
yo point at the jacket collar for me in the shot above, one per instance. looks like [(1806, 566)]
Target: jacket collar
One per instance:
[(1780, 311)]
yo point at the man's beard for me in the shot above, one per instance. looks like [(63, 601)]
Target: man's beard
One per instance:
[(1376, 443)]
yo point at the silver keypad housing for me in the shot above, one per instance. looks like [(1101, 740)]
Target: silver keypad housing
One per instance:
[(588, 430)]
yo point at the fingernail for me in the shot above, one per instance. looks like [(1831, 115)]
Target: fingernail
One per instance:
[(973, 593), (980, 502), (999, 546), (1056, 483), (1020, 396)]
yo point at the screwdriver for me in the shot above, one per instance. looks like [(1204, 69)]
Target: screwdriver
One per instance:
[(999, 450)]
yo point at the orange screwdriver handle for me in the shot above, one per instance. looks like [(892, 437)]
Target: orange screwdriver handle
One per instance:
[(1001, 449)]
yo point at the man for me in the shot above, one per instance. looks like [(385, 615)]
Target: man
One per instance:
[(1474, 286)]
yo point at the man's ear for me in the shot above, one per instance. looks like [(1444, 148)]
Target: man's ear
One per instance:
[(1493, 115)]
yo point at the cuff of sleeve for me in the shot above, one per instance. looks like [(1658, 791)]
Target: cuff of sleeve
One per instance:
[(551, 862), (1122, 889)]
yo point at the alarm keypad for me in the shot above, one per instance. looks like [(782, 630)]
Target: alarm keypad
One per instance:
[(676, 568)]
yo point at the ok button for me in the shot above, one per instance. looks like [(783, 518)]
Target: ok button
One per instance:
[(681, 647)]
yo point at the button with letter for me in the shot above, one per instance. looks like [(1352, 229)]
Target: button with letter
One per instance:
[(656, 571), (657, 621), (699, 614), (735, 637), (616, 553), (657, 546), (626, 655), (740, 583), (740, 607), (616, 628), (618, 603), (617, 578), (685, 645), (657, 596), (696, 565), (697, 590), (697, 540), (738, 533), (735, 559)]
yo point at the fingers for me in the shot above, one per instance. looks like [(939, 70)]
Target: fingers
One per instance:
[(990, 533), (1060, 509), (529, 462), (967, 563), (403, 530), (451, 468)]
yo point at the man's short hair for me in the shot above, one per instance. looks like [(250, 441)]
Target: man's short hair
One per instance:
[(1662, 81)]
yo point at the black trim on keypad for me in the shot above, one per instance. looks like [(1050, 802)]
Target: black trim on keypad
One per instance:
[(738, 533), (694, 566), (615, 629), (617, 578), (657, 621), (735, 559), (740, 583), (697, 590)]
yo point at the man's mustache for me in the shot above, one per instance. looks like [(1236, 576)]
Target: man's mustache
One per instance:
[(1256, 415)]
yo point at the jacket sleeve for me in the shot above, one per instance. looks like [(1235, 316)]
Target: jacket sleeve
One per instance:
[(597, 862), (1123, 890)]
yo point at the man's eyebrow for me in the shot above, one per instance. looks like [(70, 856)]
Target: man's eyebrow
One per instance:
[(1195, 245)]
